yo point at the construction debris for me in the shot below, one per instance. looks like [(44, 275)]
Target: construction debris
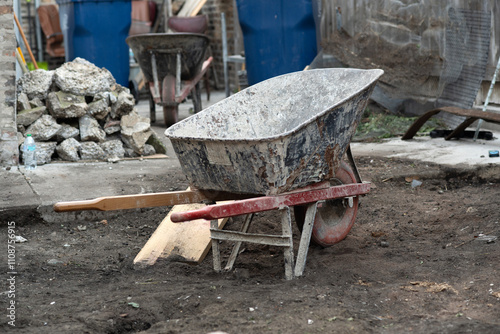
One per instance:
[(78, 111)]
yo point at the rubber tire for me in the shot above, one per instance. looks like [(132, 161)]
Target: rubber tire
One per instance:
[(170, 113), (333, 219)]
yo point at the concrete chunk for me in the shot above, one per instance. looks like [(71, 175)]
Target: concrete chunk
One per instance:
[(29, 116), (148, 150), (136, 131), (36, 83), (81, 77), (99, 107), (113, 148), (66, 105), (68, 150), (156, 142), (90, 150), (37, 102), (43, 128), (45, 151), (67, 131), (23, 102), (112, 126), (124, 104), (90, 129)]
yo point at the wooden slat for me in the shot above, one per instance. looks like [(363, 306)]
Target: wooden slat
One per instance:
[(188, 242)]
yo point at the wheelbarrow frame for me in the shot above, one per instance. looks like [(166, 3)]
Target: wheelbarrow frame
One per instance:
[(173, 89), (241, 205), (172, 64)]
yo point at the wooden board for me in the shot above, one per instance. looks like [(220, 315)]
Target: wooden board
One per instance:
[(185, 242)]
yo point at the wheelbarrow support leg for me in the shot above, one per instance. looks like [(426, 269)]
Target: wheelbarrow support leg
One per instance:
[(305, 238), (215, 247), (286, 229), (237, 245)]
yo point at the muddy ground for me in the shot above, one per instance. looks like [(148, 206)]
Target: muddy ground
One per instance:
[(417, 260)]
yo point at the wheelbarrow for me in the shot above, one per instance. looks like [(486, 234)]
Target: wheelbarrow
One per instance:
[(172, 64), (276, 145)]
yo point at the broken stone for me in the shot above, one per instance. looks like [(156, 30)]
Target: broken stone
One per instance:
[(81, 77), (23, 102), (124, 104), (20, 137), (66, 131), (113, 148), (44, 152), (43, 128), (90, 129), (99, 108), (156, 142), (28, 116), (90, 150), (148, 150), (36, 102), (36, 83), (136, 131), (112, 126), (68, 150), (66, 105), (129, 153)]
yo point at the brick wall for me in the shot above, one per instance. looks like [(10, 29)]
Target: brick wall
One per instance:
[(8, 131)]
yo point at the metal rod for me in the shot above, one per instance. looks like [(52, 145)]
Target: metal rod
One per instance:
[(155, 76), (38, 32), (485, 106), (178, 75), (224, 52)]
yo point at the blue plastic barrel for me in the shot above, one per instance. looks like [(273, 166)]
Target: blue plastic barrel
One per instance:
[(279, 36), (96, 31)]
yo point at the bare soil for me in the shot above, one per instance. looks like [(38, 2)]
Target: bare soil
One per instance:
[(415, 261)]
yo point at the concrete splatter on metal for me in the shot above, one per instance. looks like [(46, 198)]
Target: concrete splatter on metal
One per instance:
[(281, 134)]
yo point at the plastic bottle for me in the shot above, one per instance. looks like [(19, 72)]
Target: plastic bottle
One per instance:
[(29, 153)]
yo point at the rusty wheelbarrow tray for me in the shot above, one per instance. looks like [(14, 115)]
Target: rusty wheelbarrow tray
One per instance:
[(279, 135), (173, 64)]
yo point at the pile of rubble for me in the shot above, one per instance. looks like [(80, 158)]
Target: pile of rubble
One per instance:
[(79, 112)]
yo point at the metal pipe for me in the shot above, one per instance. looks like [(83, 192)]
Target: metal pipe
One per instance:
[(178, 75), (224, 52), (487, 101), (155, 76)]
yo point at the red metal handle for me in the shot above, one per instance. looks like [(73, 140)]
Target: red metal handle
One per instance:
[(267, 203)]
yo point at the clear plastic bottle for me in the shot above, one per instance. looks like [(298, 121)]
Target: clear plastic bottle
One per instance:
[(29, 153)]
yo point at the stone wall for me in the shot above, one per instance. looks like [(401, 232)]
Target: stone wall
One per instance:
[(9, 153)]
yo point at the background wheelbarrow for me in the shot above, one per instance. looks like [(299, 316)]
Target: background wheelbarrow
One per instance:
[(172, 64), (276, 145)]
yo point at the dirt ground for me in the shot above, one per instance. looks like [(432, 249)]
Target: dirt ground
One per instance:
[(417, 260)]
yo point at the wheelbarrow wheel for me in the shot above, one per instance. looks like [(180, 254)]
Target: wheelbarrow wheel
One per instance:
[(170, 107), (334, 218)]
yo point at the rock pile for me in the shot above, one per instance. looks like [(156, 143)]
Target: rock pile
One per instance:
[(79, 112)]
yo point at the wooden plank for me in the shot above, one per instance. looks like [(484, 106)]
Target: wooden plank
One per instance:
[(188, 242), (132, 201)]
